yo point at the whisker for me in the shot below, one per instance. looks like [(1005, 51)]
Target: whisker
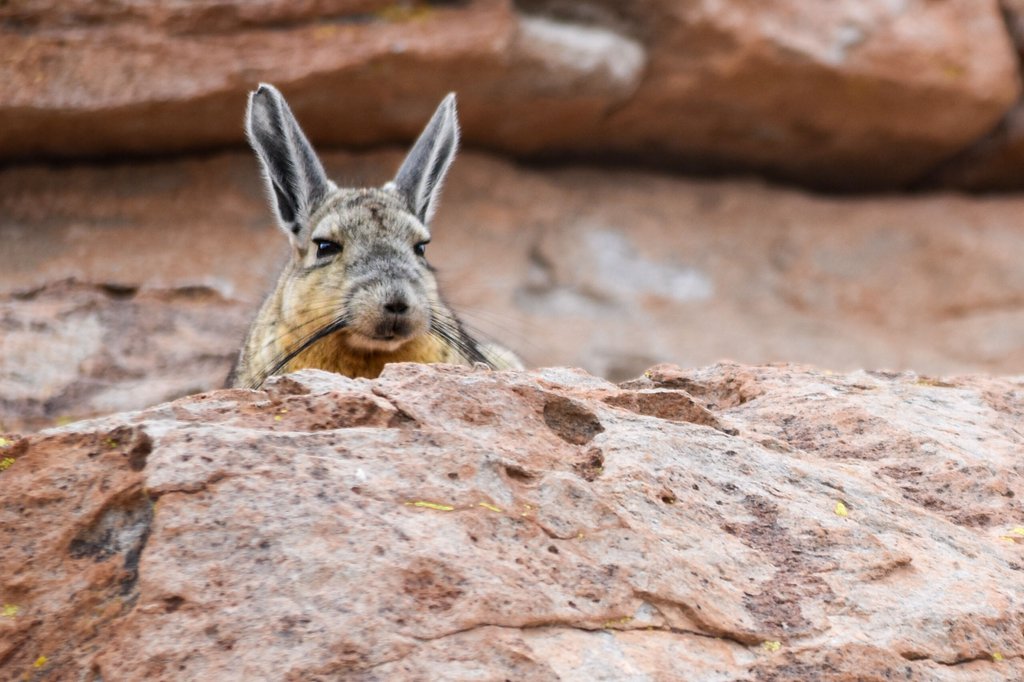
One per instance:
[(452, 333), (520, 338), (316, 320), (467, 351), (286, 357)]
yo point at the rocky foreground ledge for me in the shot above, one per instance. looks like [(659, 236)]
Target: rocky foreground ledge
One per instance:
[(755, 523)]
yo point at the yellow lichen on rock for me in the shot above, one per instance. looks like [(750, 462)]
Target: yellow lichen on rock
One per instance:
[(431, 505)]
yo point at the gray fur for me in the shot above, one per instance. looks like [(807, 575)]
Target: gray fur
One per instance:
[(422, 174), (296, 180)]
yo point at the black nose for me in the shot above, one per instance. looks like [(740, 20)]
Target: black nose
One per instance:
[(397, 306)]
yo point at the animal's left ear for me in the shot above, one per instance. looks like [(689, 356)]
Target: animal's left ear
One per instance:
[(422, 173)]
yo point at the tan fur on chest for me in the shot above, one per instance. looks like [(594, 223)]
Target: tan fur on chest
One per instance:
[(333, 355)]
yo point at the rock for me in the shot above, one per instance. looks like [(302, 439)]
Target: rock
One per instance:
[(611, 271), (833, 97), (456, 523), (73, 348), (994, 161), (855, 94), (140, 78)]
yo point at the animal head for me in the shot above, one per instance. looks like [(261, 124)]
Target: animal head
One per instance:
[(358, 255)]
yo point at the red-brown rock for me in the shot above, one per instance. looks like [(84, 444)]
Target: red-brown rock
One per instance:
[(452, 523), (995, 161), (850, 94), (847, 94)]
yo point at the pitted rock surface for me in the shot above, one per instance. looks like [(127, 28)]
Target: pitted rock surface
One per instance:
[(765, 523)]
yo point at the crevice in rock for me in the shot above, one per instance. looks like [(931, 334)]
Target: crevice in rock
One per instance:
[(1010, 303), (200, 487), (671, 405), (173, 603), (395, 659), (731, 388), (519, 474), (985, 657), (590, 629), (134, 442), (121, 527), (945, 172), (571, 421), (609, 14), (401, 418), (692, 615), (591, 466), (113, 290), (129, 584), (117, 291), (213, 19)]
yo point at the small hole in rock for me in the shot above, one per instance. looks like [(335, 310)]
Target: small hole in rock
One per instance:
[(172, 604), (518, 473), (571, 421), (553, 549)]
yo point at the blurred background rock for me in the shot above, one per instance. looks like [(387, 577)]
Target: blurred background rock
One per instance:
[(657, 180)]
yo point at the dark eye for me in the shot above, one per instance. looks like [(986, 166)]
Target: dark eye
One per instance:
[(325, 248), (421, 248)]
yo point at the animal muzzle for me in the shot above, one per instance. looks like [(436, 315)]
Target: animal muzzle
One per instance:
[(388, 314), (394, 321)]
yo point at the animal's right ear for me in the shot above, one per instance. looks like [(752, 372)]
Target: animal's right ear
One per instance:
[(295, 178)]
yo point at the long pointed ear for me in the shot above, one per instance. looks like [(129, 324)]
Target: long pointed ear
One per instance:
[(295, 178), (422, 173)]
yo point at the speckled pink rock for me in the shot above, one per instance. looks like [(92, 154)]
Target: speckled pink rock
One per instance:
[(452, 523)]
